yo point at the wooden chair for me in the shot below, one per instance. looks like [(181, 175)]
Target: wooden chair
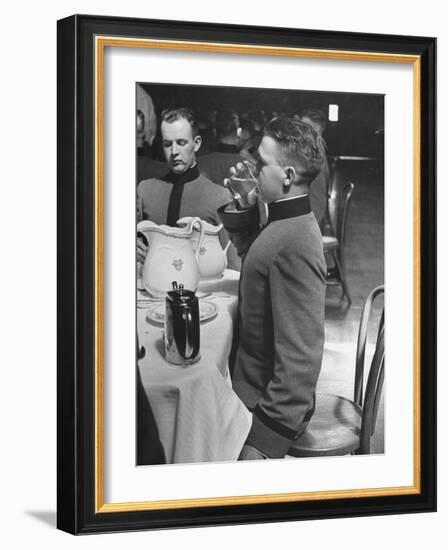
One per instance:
[(333, 164), (334, 243), (339, 425), (334, 183)]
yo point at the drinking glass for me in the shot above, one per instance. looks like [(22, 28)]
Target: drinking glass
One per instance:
[(242, 183)]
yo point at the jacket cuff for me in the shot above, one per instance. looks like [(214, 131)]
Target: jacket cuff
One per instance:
[(267, 439), (239, 221)]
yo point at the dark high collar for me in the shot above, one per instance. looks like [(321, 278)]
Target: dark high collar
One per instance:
[(289, 208), (191, 174), (227, 148)]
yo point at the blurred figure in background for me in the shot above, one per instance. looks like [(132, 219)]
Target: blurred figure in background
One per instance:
[(319, 187), (146, 166), (206, 129), (146, 107), (247, 139), (142, 144), (227, 125), (215, 166), (316, 118)]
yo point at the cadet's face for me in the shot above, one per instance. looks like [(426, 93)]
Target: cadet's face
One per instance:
[(270, 174), (179, 145)]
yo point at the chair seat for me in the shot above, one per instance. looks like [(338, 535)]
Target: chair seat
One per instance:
[(334, 428), (330, 242)]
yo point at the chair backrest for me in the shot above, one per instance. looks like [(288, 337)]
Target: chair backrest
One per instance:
[(370, 399), (343, 202), (338, 204), (333, 166)]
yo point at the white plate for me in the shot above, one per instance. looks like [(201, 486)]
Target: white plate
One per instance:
[(145, 300), (156, 312)]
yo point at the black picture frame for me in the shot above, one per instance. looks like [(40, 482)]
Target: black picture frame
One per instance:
[(76, 476)]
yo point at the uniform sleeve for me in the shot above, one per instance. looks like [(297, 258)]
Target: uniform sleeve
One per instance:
[(242, 226), (297, 289), (233, 259)]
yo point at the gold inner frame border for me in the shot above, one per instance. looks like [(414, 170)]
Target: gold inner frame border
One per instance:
[(101, 42)]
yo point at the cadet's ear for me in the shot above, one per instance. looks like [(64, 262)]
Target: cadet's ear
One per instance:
[(290, 175), (197, 143)]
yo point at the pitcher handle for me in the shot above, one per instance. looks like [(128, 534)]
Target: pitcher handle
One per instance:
[(144, 228), (143, 237), (201, 236)]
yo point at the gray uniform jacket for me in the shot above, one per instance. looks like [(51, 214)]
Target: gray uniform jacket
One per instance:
[(281, 322)]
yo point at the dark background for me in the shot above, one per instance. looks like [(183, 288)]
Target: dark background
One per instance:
[(359, 131)]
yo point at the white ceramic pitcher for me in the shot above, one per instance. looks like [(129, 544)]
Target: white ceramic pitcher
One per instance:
[(212, 259), (171, 257)]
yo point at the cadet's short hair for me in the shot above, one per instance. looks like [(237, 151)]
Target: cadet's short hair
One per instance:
[(175, 113), (300, 145), (317, 116)]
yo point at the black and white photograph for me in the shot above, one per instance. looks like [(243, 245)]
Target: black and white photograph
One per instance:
[(260, 274), (218, 219)]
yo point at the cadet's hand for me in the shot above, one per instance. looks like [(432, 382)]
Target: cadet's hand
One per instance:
[(142, 250), (250, 453)]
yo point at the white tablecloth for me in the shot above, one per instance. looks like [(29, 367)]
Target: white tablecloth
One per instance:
[(198, 415)]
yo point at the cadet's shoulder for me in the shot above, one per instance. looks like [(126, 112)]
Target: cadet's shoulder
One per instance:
[(211, 188), (295, 234), (150, 183)]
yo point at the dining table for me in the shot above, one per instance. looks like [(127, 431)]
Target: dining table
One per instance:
[(199, 417)]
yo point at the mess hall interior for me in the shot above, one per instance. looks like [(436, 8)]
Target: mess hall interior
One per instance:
[(352, 229)]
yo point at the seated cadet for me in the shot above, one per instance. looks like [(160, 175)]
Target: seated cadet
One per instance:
[(183, 191), (282, 290)]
